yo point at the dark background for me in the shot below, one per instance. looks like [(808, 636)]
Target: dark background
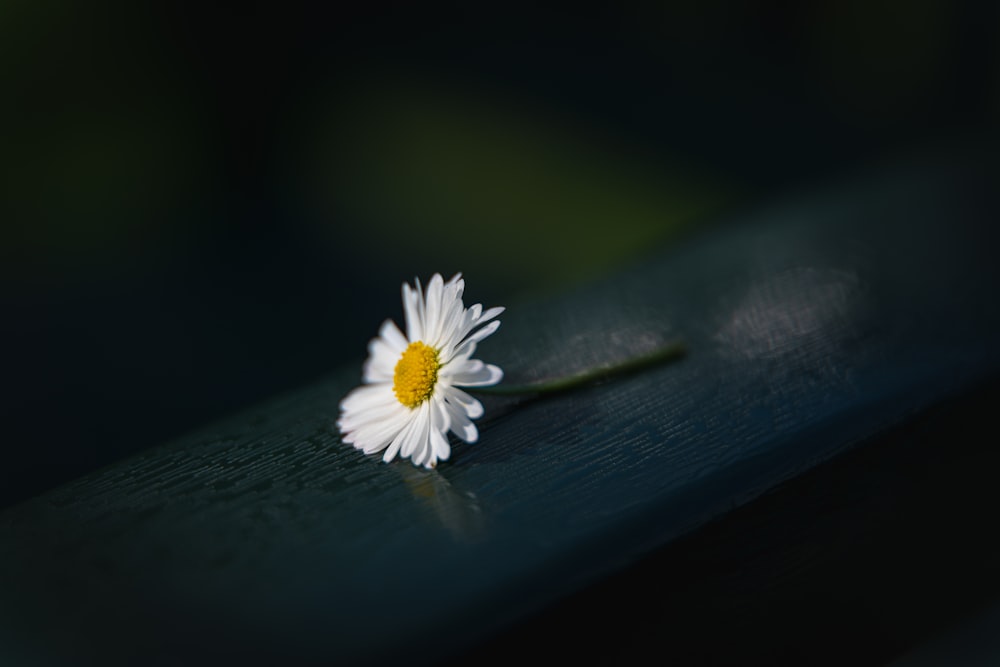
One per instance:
[(204, 205)]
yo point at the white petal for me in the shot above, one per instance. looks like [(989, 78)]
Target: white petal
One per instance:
[(471, 405), (437, 444), (440, 450), (376, 436), (474, 319), (488, 330), (460, 366), (432, 315), (463, 351), (370, 445), (482, 376), (413, 310), (352, 420), (422, 452), (421, 303), (381, 363), (418, 436), (490, 314), (442, 421), (468, 346), (451, 320), (469, 434), (393, 337), (367, 396), (393, 449), (456, 288), (461, 425), (384, 428)]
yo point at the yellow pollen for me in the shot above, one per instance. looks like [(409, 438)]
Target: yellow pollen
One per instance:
[(416, 374)]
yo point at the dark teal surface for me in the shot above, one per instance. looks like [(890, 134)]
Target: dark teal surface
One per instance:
[(811, 325)]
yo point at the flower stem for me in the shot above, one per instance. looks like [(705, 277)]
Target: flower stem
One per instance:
[(668, 352)]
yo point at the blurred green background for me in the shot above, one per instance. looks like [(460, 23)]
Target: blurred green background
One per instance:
[(208, 204)]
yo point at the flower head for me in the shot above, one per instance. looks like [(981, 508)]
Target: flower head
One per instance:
[(411, 396)]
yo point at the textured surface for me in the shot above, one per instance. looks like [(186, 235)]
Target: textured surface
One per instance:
[(810, 326), (860, 560)]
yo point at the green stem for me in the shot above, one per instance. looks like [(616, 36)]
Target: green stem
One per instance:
[(660, 355)]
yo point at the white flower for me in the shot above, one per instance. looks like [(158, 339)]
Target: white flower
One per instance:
[(410, 398)]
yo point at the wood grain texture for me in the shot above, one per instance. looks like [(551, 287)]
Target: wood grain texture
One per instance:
[(810, 326), (885, 551)]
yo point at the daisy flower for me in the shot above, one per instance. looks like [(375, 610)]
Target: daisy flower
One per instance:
[(411, 396)]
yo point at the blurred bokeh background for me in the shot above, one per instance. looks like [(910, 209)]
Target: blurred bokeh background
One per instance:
[(208, 204)]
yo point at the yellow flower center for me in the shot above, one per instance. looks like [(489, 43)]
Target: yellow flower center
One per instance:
[(416, 374)]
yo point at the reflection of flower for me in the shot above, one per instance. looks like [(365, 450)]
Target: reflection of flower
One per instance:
[(410, 398), (458, 511)]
